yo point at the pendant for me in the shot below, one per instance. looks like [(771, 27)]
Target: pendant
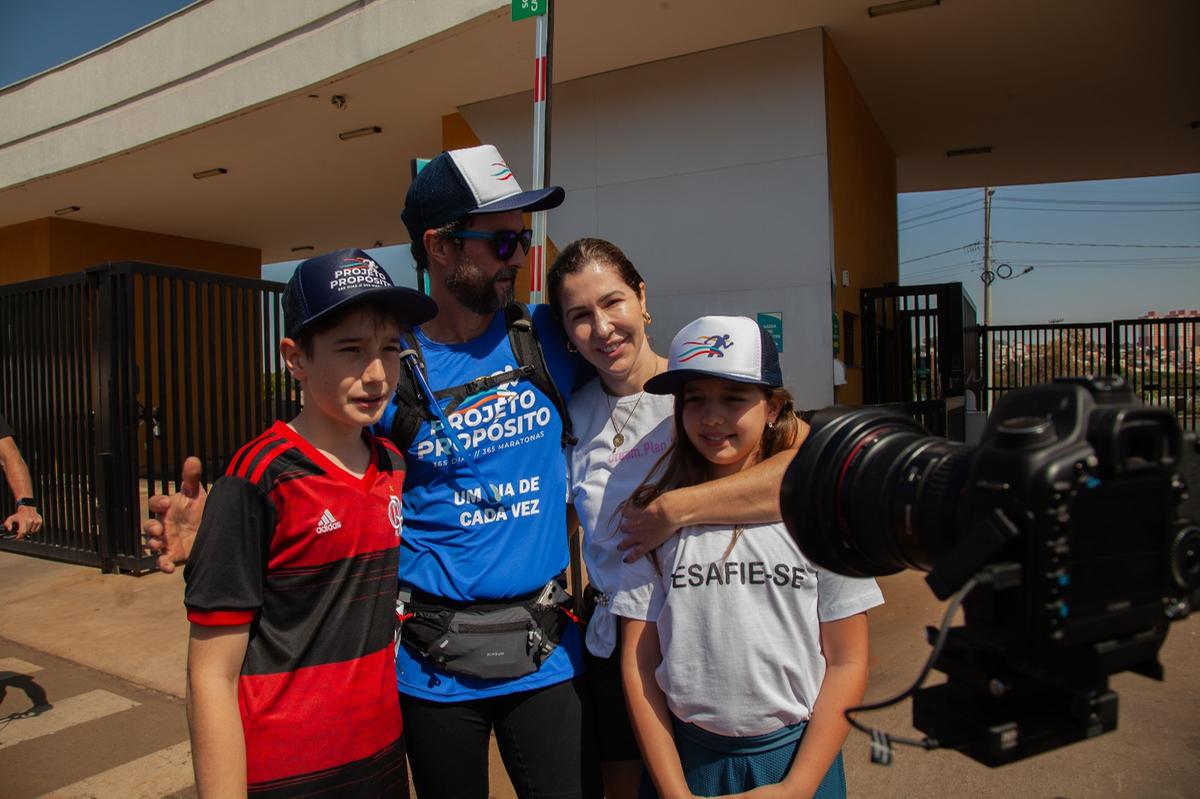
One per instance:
[(618, 440)]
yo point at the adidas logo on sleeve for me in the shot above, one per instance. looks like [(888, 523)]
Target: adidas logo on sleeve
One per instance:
[(328, 523)]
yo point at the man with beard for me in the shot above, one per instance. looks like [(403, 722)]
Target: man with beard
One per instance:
[(484, 511)]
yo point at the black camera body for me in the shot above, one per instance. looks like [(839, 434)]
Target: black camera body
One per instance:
[(1074, 517)]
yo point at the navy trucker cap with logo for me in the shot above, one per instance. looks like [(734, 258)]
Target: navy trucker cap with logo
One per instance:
[(326, 283)]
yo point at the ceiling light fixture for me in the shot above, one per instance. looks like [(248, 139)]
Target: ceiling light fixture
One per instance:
[(210, 173), (903, 5), (302, 248), (354, 134), (969, 151), (70, 209)]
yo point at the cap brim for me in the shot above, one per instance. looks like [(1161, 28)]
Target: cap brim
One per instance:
[(534, 200), (672, 382), (412, 306)]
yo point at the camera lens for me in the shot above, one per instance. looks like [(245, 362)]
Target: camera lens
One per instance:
[(872, 493)]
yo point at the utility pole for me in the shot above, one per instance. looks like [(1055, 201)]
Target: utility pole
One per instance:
[(988, 274), (988, 277)]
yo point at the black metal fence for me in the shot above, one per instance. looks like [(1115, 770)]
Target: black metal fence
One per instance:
[(112, 376), (923, 352), (1161, 358), (1157, 356)]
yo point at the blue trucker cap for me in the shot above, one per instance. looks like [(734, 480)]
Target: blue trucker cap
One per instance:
[(329, 282), (474, 180)]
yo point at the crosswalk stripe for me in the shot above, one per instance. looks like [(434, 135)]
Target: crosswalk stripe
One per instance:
[(63, 714), (160, 773), (17, 666)]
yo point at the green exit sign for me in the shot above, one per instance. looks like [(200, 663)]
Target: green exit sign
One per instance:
[(521, 9), (772, 322)]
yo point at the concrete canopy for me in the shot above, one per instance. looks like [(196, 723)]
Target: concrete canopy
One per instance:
[(1070, 90)]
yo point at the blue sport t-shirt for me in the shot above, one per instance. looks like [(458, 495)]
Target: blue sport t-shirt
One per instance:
[(456, 546)]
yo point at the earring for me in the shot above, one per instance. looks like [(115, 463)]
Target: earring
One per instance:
[(571, 347), (646, 318)]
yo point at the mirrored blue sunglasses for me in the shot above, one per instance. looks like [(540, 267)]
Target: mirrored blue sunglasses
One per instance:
[(504, 242)]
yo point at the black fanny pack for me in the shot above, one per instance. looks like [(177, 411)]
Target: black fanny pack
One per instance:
[(492, 640)]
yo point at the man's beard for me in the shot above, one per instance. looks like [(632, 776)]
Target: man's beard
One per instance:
[(477, 293)]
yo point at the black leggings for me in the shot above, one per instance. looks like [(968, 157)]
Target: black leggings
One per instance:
[(540, 735)]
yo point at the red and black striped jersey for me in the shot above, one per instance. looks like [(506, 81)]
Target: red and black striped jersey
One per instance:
[(306, 554)]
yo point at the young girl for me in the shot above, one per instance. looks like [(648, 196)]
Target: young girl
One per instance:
[(738, 654)]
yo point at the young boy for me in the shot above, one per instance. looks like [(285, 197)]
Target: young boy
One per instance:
[(291, 586)]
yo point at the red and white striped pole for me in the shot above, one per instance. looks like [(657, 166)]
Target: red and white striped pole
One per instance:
[(543, 51)]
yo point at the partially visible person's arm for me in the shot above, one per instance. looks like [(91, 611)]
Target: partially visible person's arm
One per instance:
[(26, 518), (747, 497), (215, 657), (844, 643), (176, 518), (640, 656)]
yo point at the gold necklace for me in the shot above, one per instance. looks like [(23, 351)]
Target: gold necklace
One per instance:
[(619, 438)]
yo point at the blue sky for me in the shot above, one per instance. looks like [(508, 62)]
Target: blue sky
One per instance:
[(38, 34), (1111, 249)]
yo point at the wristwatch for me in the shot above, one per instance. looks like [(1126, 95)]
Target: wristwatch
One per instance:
[(27, 502)]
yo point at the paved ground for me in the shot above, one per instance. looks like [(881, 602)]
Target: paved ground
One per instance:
[(72, 732), (108, 652)]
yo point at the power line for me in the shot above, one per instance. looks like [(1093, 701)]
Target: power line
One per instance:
[(1111, 191), (943, 272), (1052, 201), (1096, 244), (943, 252), (947, 268), (965, 266), (1105, 210), (1138, 268), (1110, 261), (943, 219), (951, 198), (906, 220)]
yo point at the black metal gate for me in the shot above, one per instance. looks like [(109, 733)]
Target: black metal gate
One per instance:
[(920, 351), (112, 376)]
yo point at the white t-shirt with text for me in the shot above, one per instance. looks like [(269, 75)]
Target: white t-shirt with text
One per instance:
[(740, 634)]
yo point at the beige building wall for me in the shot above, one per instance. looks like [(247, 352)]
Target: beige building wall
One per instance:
[(711, 171), (742, 179)]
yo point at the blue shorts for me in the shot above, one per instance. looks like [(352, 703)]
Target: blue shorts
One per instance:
[(714, 765)]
